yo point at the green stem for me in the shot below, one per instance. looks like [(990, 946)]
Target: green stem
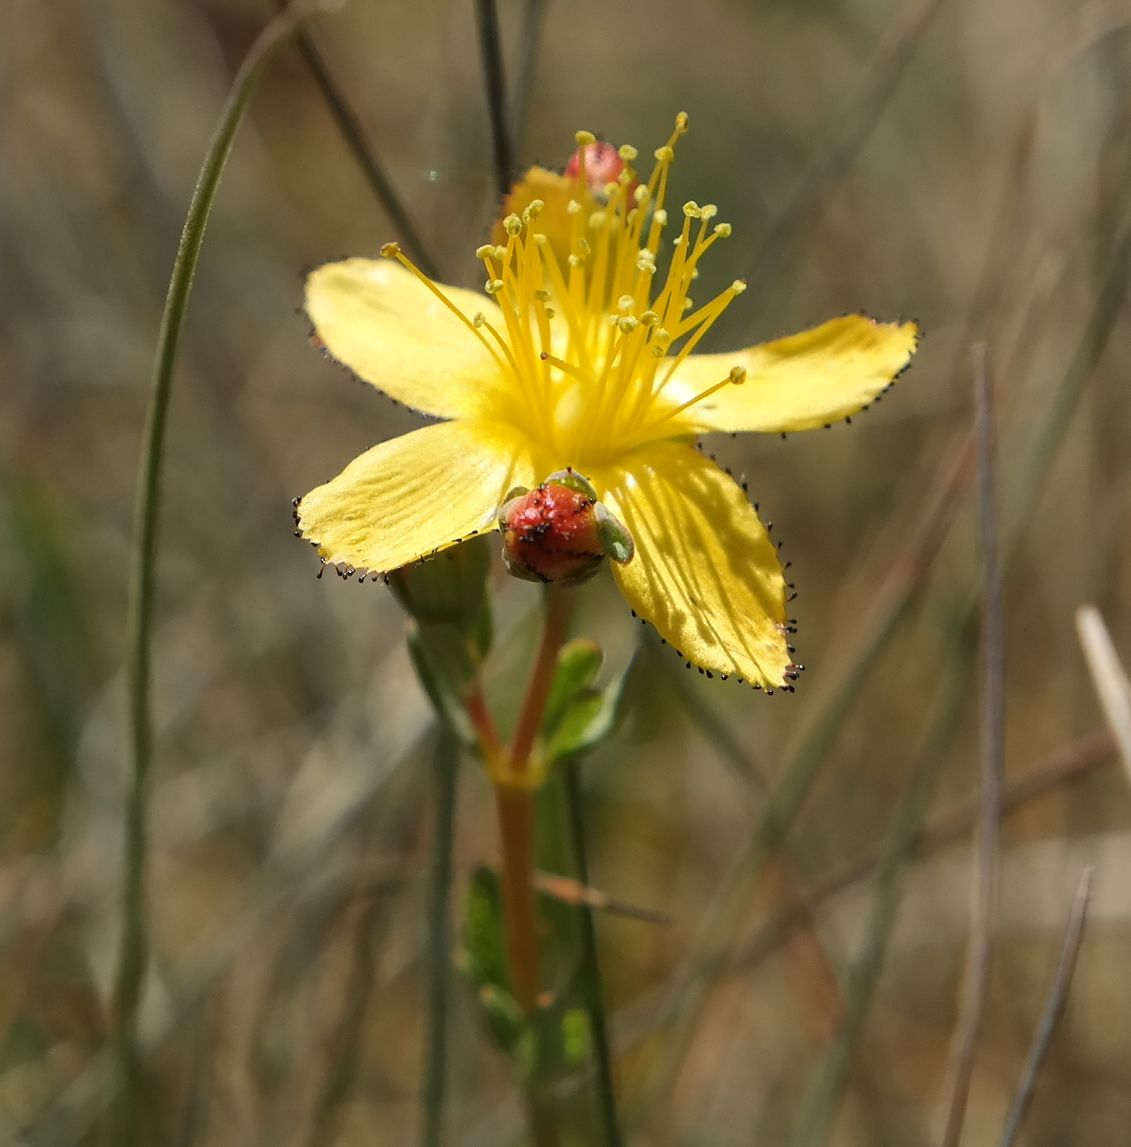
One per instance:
[(133, 943), (445, 765), (590, 969)]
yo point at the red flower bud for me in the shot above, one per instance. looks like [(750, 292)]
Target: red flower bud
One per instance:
[(603, 165), (559, 531)]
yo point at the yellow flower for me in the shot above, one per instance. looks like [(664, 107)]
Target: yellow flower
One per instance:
[(587, 362)]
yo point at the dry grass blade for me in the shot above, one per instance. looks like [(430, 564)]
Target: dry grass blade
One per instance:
[(881, 77), (987, 867), (373, 171), (823, 1098), (1054, 1007), (574, 892), (993, 753), (1072, 763), (1109, 678)]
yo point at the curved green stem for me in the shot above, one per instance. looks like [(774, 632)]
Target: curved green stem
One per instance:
[(133, 945)]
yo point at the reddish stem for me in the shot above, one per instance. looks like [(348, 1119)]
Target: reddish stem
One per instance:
[(558, 602), (516, 833)]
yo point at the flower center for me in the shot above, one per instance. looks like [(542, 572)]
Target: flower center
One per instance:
[(586, 335)]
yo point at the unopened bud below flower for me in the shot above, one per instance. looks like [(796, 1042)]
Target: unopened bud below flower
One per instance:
[(560, 532)]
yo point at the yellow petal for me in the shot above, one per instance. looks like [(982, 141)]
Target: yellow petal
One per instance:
[(801, 382), (705, 574), (383, 323), (414, 495)]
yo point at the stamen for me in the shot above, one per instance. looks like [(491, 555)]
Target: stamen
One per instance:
[(706, 319), (736, 377), (565, 367)]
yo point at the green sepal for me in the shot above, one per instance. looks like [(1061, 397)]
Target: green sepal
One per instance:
[(448, 588), (450, 631), (616, 541), (573, 481)]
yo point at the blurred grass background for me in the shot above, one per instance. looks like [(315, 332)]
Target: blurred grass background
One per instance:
[(967, 165)]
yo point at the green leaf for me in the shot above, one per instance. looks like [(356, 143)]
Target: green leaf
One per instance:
[(590, 718), (484, 937), (555, 1042), (483, 961), (579, 662), (505, 1022), (576, 1042)]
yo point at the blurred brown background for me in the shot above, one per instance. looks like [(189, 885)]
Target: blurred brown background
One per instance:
[(965, 164)]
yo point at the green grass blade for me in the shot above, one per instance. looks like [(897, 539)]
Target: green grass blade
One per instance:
[(133, 943)]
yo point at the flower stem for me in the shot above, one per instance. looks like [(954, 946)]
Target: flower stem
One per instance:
[(515, 806), (558, 603), (490, 744), (516, 831)]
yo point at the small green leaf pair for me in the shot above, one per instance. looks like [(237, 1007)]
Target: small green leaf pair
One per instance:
[(555, 1039), (579, 716)]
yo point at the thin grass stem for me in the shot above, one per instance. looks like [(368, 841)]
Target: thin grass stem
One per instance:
[(590, 969), (530, 37), (494, 80), (372, 169), (445, 768), (832, 157), (126, 1111), (1074, 762), (824, 1092), (1054, 1009), (890, 604), (987, 865)]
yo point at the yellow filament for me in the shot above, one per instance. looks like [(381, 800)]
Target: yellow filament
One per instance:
[(393, 251), (736, 377)]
